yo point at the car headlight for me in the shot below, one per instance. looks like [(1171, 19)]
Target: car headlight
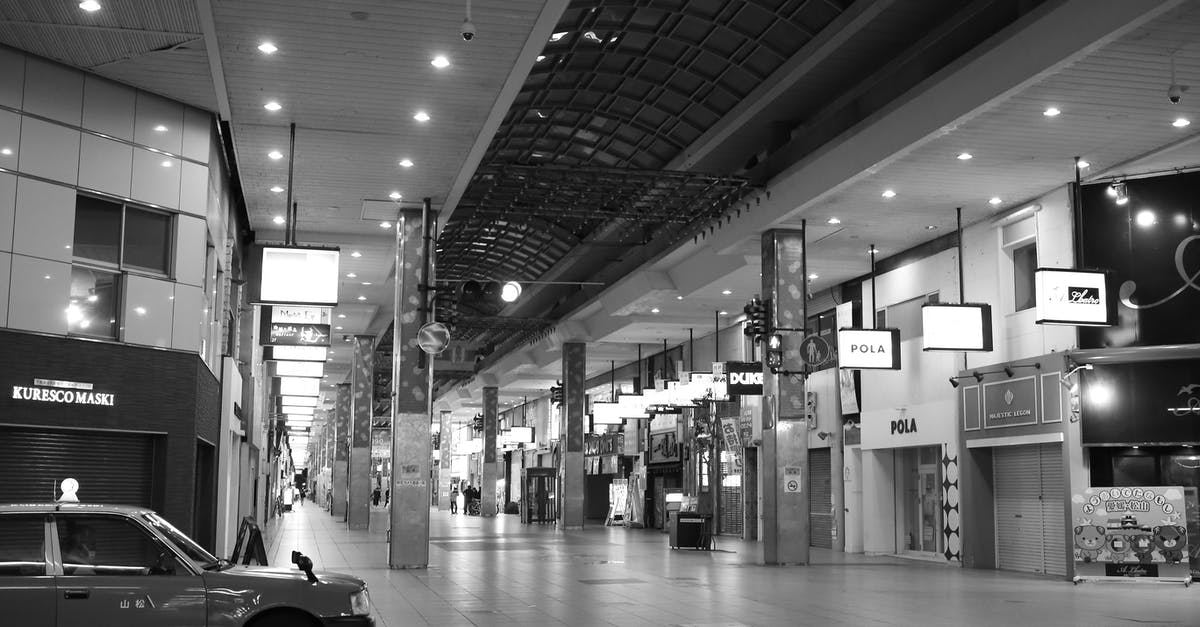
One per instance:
[(360, 603)]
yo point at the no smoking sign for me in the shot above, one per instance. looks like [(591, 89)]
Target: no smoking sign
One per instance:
[(792, 479)]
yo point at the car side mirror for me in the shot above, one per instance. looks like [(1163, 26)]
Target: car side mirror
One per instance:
[(305, 564)]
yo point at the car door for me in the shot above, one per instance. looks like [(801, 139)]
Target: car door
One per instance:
[(116, 572), (26, 585)]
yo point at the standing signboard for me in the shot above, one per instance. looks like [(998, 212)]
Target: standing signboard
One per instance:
[(1131, 532)]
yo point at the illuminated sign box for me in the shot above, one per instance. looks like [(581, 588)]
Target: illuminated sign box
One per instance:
[(299, 369), (297, 276), (521, 435), (965, 327), (744, 378), (869, 349), (606, 414), (294, 353), (633, 406), (299, 386), (300, 401), (297, 410), (1074, 297)]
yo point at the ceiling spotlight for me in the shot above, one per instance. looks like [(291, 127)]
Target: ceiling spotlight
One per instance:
[(1119, 193), (166, 163), (275, 155), (978, 376), (813, 277), (395, 195), (341, 315), (1181, 122), (160, 128), (272, 106), (510, 292), (267, 47), (723, 313), (278, 220), (385, 225), (654, 310), (1084, 164), (366, 282), (421, 116), (440, 62), (888, 193), (954, 382), (406, 163), (727, 292), (362, 298), (7, 152), (1146, 218), (356, 254), (994, 200), (931, 227), (833, 221), (276, 189), (678, 298), (963, 156), (91, 6), (1051, 112), (351, 275)]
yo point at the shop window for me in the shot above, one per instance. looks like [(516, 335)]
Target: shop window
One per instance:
[(98, 230), (122, 236), (147, 240), (1133, 470), (94, 302), (1024, 265), (22, 545)]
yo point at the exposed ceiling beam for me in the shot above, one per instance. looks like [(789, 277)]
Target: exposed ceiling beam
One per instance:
[(212, 47)]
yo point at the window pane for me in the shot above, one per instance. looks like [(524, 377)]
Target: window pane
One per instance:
[(92, 309), (110, 545), (22, 545), (97, 229), (147, 240), (1024, 265)]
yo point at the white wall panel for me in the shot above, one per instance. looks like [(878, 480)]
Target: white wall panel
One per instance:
[(8, 209), (12, 77), (155, 112), (53, 91), (5, 267), (152, 181), (189, 317), (38, 295), (10, 139), (149, 311), (108, 107), (193, 189), (49, 151), (45, 220), (190, 242), (197, 134), (105, 165)]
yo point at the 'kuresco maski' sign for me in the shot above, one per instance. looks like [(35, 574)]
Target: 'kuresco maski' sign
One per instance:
[(67, 392)]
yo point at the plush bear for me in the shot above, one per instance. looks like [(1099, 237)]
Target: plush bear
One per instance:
[(1118, 545), (1143, 547), (1089, 541), (1170, 542)]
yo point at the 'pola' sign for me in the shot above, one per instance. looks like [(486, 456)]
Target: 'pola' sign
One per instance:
[(869, 348), (68, 392)]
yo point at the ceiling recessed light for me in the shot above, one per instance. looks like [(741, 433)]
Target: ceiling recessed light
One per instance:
[(727, 292), (276, 189), (351, 275), (356, 254), (813, 276), (267, 47), (931, 227), (421, 116), (141, 311), (1051, 112), (272, 106), (994, 200), (678, 298), (963, 156), (6, 152), (278, 220), (166, 163), (872, 251), (91, 6), (362, 298), (833, 221), (160, 129), (366, 282), (1084, 164), (341, 316), (440, 62), (654, 310), (723, 313), (395, 195), (1181, 122), (540, 58), (275, 155), (385, 225), (406, 163), (888, 193)]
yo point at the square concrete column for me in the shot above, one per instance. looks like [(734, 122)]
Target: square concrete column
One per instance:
[(445, 442), (574, 355), (491, 423), (362, 381), (412, 449), (341, 452), (784, 464)]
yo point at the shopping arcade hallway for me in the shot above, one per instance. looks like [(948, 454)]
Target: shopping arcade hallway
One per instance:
[(499, 572)]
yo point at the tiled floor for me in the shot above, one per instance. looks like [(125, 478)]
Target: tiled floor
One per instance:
[(499, 572)]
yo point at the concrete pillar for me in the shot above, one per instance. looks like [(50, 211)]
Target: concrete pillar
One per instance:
[(341, 452), (362, 381), (489, 469), (574, 373), (837, 463), (784, 465), (447, 440), (408, 545)]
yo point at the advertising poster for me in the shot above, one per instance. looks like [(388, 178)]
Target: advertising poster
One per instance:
[(1131, 532)]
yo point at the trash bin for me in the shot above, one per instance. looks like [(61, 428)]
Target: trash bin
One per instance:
[(690, 530)]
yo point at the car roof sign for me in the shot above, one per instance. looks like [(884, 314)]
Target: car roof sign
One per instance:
[(69, 487)]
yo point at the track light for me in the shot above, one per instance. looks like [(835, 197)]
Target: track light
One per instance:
[(953, 382), (978, 376), (1008, 370), (1119, 193)]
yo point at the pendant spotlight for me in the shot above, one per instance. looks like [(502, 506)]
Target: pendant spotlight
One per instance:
[(1118, 192), (510, 292)]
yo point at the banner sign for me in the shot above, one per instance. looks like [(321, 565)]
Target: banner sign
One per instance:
[(745, 378), (1074, 297), (847, 386), (1130, 532), (869, 349)]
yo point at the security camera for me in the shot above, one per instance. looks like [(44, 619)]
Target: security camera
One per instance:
[(1174, 92), (468, 30)]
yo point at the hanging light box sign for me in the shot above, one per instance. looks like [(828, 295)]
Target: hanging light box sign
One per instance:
[(520, 435), (869, 349), (964, 327), (606, 414), (633, 406), (296, 276), (299, 401), (298, 386), (294, 353), (745, 378), (1074, 297), (298, 369)]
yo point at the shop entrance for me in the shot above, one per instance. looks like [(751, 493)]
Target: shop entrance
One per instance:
[(1028, 487), (919, 500)]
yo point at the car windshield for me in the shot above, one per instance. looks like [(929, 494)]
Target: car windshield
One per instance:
[(185, 544)]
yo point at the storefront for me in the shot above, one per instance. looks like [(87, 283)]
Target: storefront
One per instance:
[(1016, 469), (664, 466), (133, 425)]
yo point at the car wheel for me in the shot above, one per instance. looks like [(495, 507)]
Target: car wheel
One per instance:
[(284, 618)]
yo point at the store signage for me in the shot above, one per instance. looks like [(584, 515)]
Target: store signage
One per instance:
[(304, 276), (293, 334), (294, 353), (1074, 297), (1131, 532), (963, 327), (869, 349), (904, 425), (1010, 403), (297, 315), (1140, 403), (745, 378), (67, 392)]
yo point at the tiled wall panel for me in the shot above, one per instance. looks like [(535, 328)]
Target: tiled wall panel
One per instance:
[(158, 123), (38, 294), (149, 311), (12, 78), (193, 192), (189, 316), (53, 91), (190, 244), (8, 208), (108, 107), (155, 179), (45, 218), (105, 165), (49, 151), (5, 268), (197, 134), (10, 139)]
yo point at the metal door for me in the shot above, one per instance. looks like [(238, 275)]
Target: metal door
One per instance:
[(820, 497), (1029, 508)]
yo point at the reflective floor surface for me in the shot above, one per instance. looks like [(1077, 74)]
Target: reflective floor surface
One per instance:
[(496, 571)]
